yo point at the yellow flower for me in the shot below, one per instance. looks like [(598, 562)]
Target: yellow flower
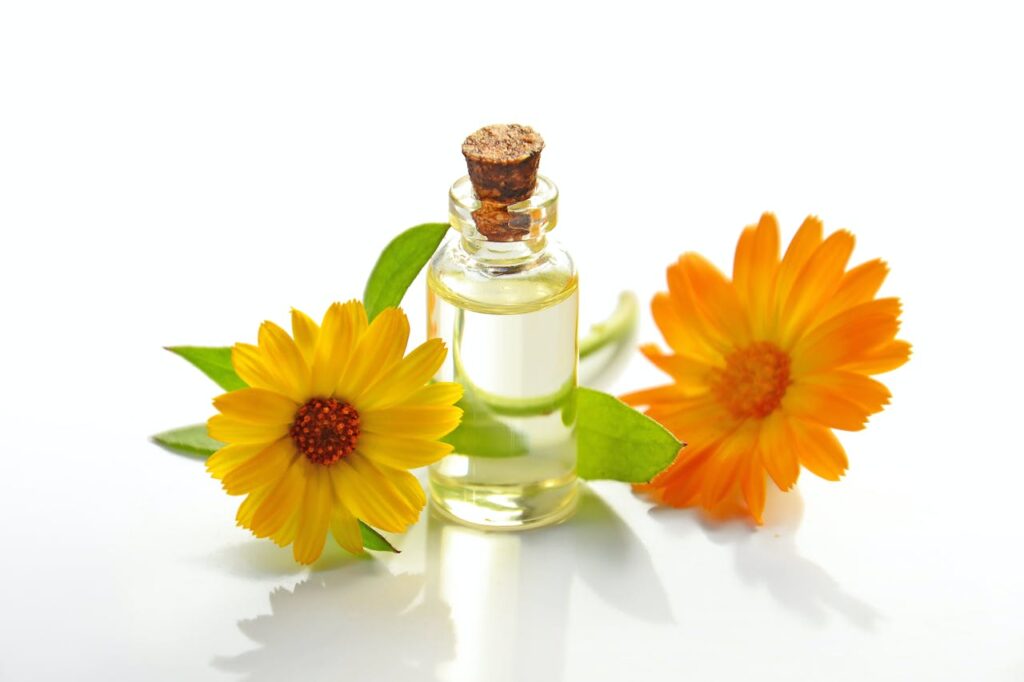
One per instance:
[(765, 365), (328, 427)]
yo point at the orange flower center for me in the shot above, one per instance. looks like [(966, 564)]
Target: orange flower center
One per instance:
[(753, 381), (325, 430)]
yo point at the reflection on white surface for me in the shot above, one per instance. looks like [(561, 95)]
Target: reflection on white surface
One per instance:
[(469, 607)]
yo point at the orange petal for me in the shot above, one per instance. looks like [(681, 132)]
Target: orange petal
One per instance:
[(724, 468), (815, 285), (685, 300), (696, 421), (689, 374), (716, 299), (677, 321), (752, 482), (859, 285), (823, 406), (884, 358), (778, 456), (804, 243), (847, 337), (669, 393), (755, 277), (864, 392), (819, 450)]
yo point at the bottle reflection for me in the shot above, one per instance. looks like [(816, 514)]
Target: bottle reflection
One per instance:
[(457, 605)]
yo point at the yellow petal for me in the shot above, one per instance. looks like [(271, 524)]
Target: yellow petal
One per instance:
[(370, 496), (285, 360), (378, 350), (398, 452), (407, 485), (818, 448), (281, 501), (230, 430), (345, 529), (247, 510), (305, 331), (414, 421), (343, 326), (440, 393), (252, 367), (407, 377), (257, 405), (261, 470), (231, 456), (315, 515)]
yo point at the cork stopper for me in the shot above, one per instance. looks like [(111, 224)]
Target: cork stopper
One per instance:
[(502, 160)]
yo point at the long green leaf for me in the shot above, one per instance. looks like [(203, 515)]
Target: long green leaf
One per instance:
[(214, 362), (189, 440), (619, 443), (398, 265)]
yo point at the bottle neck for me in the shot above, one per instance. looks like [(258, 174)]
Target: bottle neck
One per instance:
[(512, 236)]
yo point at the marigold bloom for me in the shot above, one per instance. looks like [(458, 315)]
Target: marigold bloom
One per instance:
[(331, 422), (765, 365)]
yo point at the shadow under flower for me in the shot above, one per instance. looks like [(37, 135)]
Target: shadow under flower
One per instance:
[(768, 556), (359, 623)]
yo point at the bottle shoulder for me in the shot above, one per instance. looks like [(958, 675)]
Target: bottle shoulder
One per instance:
[(507, 286)]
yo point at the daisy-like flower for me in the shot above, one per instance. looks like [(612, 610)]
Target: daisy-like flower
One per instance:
[(766, 365), (329, 426)]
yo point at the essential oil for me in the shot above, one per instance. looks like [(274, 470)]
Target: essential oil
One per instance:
[(505, 301)]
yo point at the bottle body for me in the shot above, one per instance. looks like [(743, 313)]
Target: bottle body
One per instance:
[(508, 314)]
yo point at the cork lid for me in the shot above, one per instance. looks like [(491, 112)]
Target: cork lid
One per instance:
[(502, 161)]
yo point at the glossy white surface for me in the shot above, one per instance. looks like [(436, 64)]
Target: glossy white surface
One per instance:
[(176, 173)]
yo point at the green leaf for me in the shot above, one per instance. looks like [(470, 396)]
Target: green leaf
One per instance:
[(189, 440), (214, 363), (374, 540), (481, 434), (398, 265), (616, 442)]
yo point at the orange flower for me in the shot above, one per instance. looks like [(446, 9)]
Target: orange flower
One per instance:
[(766, 365)]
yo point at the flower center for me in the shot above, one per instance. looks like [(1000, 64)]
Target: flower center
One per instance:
[(753, 381), (325, 430)]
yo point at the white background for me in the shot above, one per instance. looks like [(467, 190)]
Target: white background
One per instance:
[(176, 172)]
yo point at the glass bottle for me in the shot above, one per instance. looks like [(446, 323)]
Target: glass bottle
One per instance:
[(507, 311)]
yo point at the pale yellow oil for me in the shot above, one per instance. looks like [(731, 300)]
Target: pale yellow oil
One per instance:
[(515, 353)]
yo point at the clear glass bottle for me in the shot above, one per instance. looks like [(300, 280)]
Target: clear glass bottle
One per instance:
[(507, 310)]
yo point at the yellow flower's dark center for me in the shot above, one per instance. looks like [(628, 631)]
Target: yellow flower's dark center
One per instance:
[(325, 430), (754, 380)]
